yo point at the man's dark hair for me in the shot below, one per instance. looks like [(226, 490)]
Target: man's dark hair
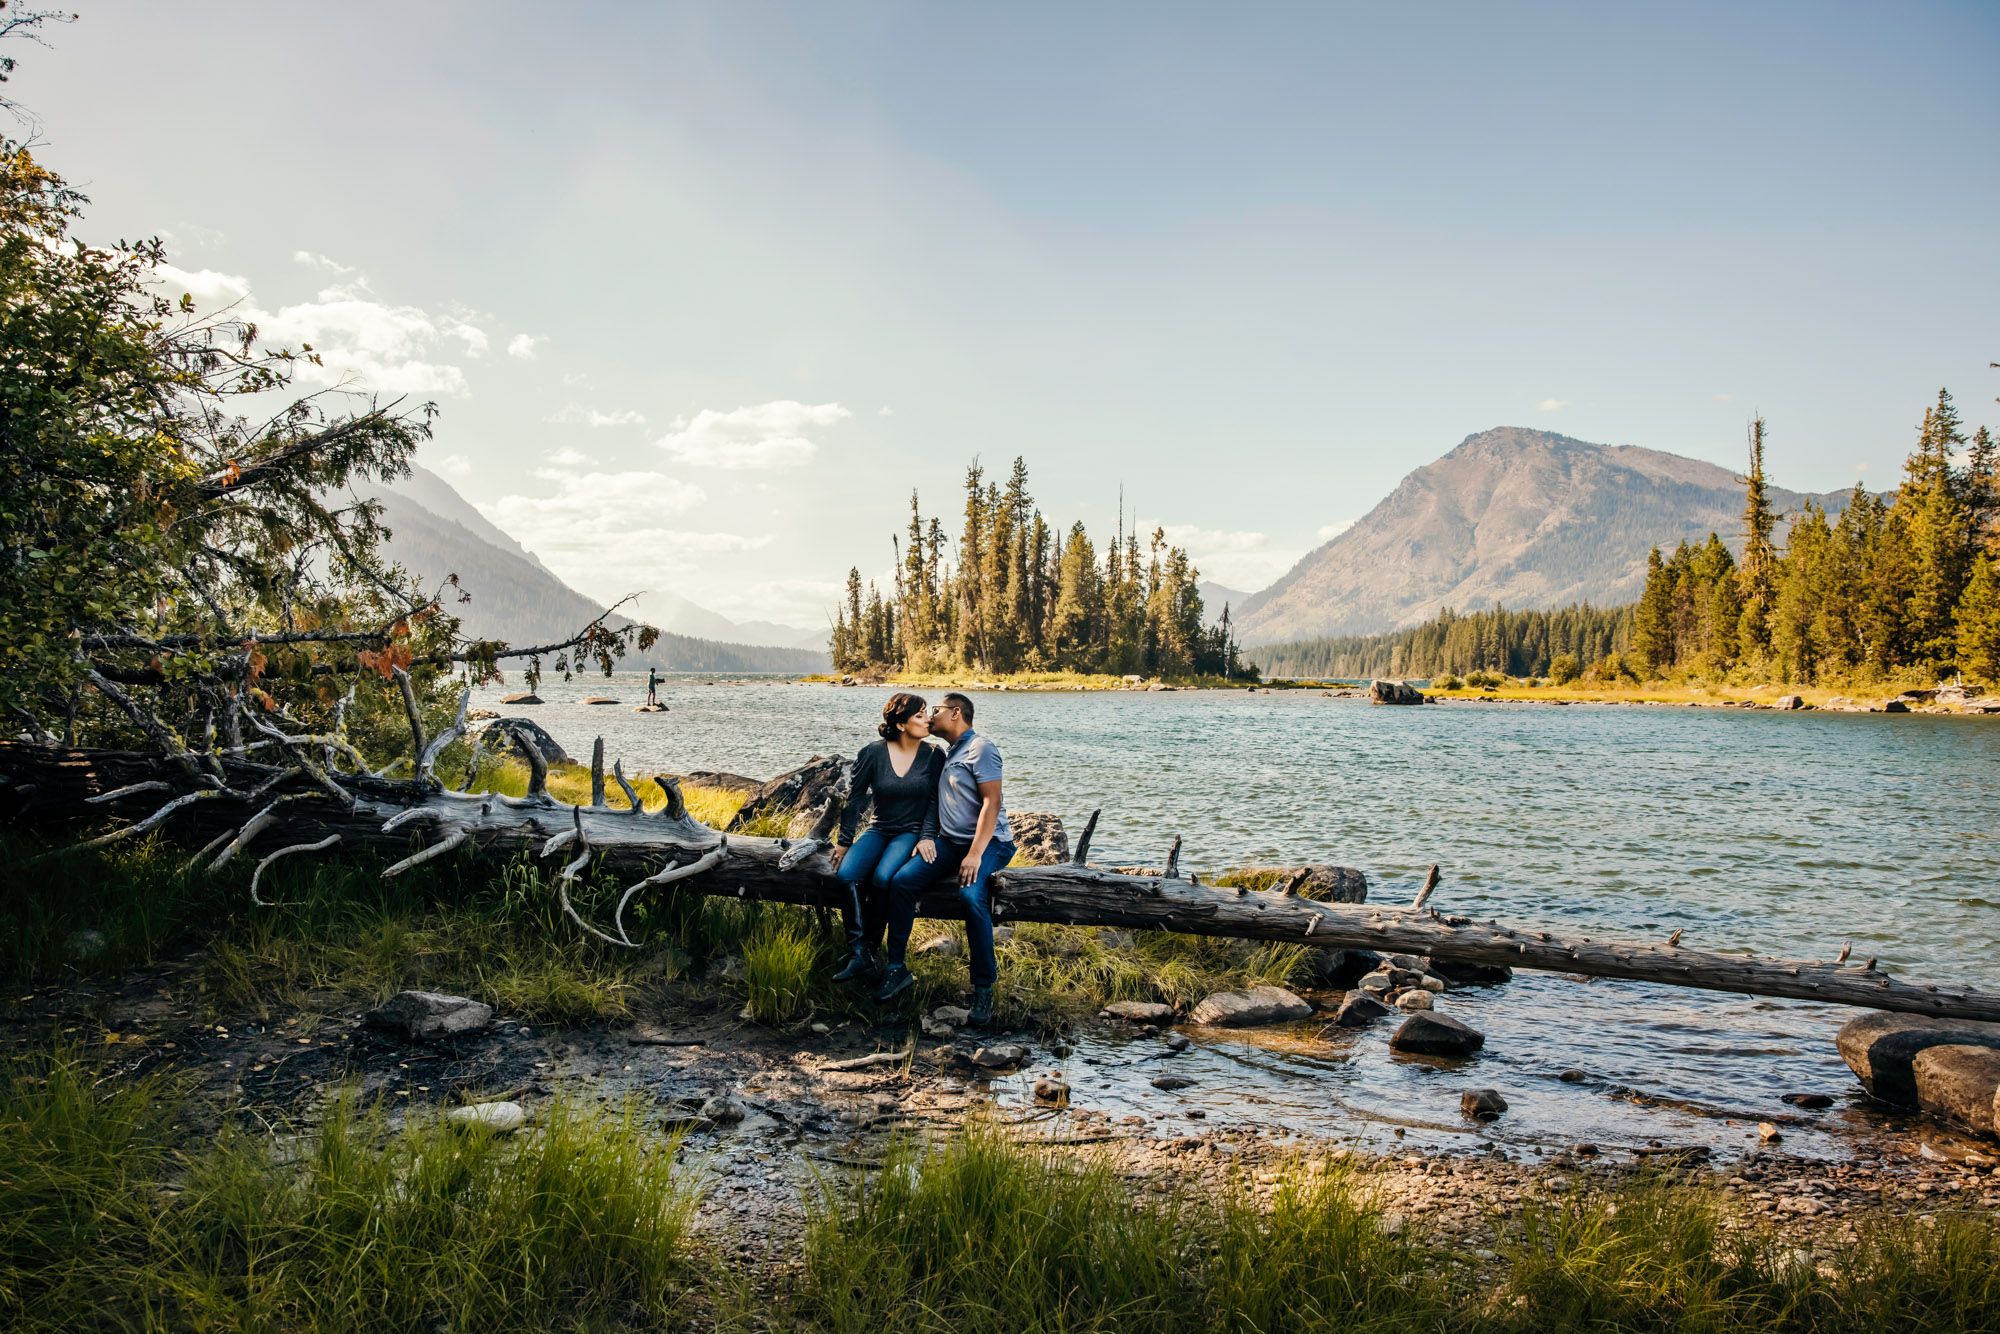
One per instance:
[(962, 704)]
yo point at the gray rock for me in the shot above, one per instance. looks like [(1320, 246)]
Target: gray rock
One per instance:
[(1482, 1104), (1414, 1000), (1572, 1076), (936, 1028), (1962, 1084), (420, 1015), (1324, 883), (1140, 1012), (945, 947), (1434, 985), (521, 697), (1459, 973), (1000, 1055), (1431, 1034), (1358, 1009), (1247, 1009), (1039, 839), (722, 780), (1341, 969), (807, 788), (515, 728), (1172, 1082), (1379, 980), (1393, 692), (951, 1014), (1050, 1088), (1002, 934), (722, 1109), (1789, 702), (499, 1118), (1177, 1042), (1812, 1102), (1881, 1047), (1115, 940)]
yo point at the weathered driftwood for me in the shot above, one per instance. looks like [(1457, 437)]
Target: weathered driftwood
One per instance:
[(417, 820)]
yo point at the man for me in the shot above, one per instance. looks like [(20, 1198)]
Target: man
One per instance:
[(653, 679), (975, 841)]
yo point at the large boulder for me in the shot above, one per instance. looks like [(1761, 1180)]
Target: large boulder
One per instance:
[(514, 728), (1432, 1034), (1039, 839), (1960, 1083), (420, 1015), (1248, 1009), (1881, 1048), (1394, 692), (806, 788)]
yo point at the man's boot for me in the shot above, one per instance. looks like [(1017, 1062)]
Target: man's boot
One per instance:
[(981, 1013), (896, 980), (859, 967)]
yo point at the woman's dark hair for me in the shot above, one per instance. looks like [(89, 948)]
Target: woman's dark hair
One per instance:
[(902, 707)]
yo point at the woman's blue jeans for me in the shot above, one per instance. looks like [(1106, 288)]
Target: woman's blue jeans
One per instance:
[(976, 898), (870, 870)]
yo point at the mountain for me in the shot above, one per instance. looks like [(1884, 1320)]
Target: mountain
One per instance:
[(435, 532), (1512, 517), (671, 611), (1214, 597)]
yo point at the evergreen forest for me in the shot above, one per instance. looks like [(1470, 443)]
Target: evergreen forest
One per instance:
[(1896, 584), (1022, 596)]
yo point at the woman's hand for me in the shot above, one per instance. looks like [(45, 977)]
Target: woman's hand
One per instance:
[(836, 856), (927, 850)]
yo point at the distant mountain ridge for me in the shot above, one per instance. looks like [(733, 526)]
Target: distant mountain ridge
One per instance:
[(1511, 517), (435, 532)]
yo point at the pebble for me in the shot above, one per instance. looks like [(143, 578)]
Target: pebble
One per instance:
[(1482, 1104), (499, 1118), (1172, 1082), (1412, 1001)]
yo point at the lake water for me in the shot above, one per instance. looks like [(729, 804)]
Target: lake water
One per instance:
[(1786, 833)]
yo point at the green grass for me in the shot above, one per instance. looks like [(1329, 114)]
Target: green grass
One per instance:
[(977, 1234), (778, 965), (107, 1222)]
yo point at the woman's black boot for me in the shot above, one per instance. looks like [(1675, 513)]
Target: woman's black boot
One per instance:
[(896, 980), (860, 965)]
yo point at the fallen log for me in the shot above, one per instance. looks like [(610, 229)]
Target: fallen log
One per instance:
[(44, 783)]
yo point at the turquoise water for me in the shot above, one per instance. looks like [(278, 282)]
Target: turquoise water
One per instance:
[(1783, 833)]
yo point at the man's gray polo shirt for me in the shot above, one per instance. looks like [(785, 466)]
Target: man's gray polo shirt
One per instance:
[(972, 760)]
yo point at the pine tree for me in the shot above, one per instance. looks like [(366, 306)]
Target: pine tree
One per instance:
[(1977, 619), (1755, 575), (1652, 629)]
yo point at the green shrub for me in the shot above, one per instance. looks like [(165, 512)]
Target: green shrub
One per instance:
[(1447, 682), (1564, 669)]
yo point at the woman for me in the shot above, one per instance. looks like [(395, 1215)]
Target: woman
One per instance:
[(902, 772)]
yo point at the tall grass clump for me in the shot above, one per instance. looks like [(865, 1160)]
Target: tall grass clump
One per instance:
[(778, 966), (360, 1226)]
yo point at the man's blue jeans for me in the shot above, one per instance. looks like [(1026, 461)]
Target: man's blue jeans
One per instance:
[(872, 866), (976, 897)]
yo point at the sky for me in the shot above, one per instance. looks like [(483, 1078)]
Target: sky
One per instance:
[(704, 291)]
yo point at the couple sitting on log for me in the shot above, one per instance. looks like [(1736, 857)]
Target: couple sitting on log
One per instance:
[(938, 817)]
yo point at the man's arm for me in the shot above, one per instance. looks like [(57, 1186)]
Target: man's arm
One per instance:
[(989, 819)]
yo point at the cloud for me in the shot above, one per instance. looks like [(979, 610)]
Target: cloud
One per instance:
[(455, 465), (885, 411), (592, 417), (769, 435), (597, 530), (577, 380), (524, 347), (320, 262), (1861, 467), (1552, 404), (361, 341), (570, 458), (806, 602), (1326, 532), (1238, 558)]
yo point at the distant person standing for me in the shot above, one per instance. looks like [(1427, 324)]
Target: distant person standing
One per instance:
[(975, 841), (653, 679)]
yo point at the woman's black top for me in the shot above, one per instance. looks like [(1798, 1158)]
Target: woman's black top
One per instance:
[(905, 805)]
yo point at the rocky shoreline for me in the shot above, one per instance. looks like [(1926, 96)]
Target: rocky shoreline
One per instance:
[(772, 1111)]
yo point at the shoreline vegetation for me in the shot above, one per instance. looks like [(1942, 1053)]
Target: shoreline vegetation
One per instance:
[(196, 1131)]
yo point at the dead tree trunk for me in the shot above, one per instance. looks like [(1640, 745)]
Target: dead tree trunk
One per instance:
[(287, 811)]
